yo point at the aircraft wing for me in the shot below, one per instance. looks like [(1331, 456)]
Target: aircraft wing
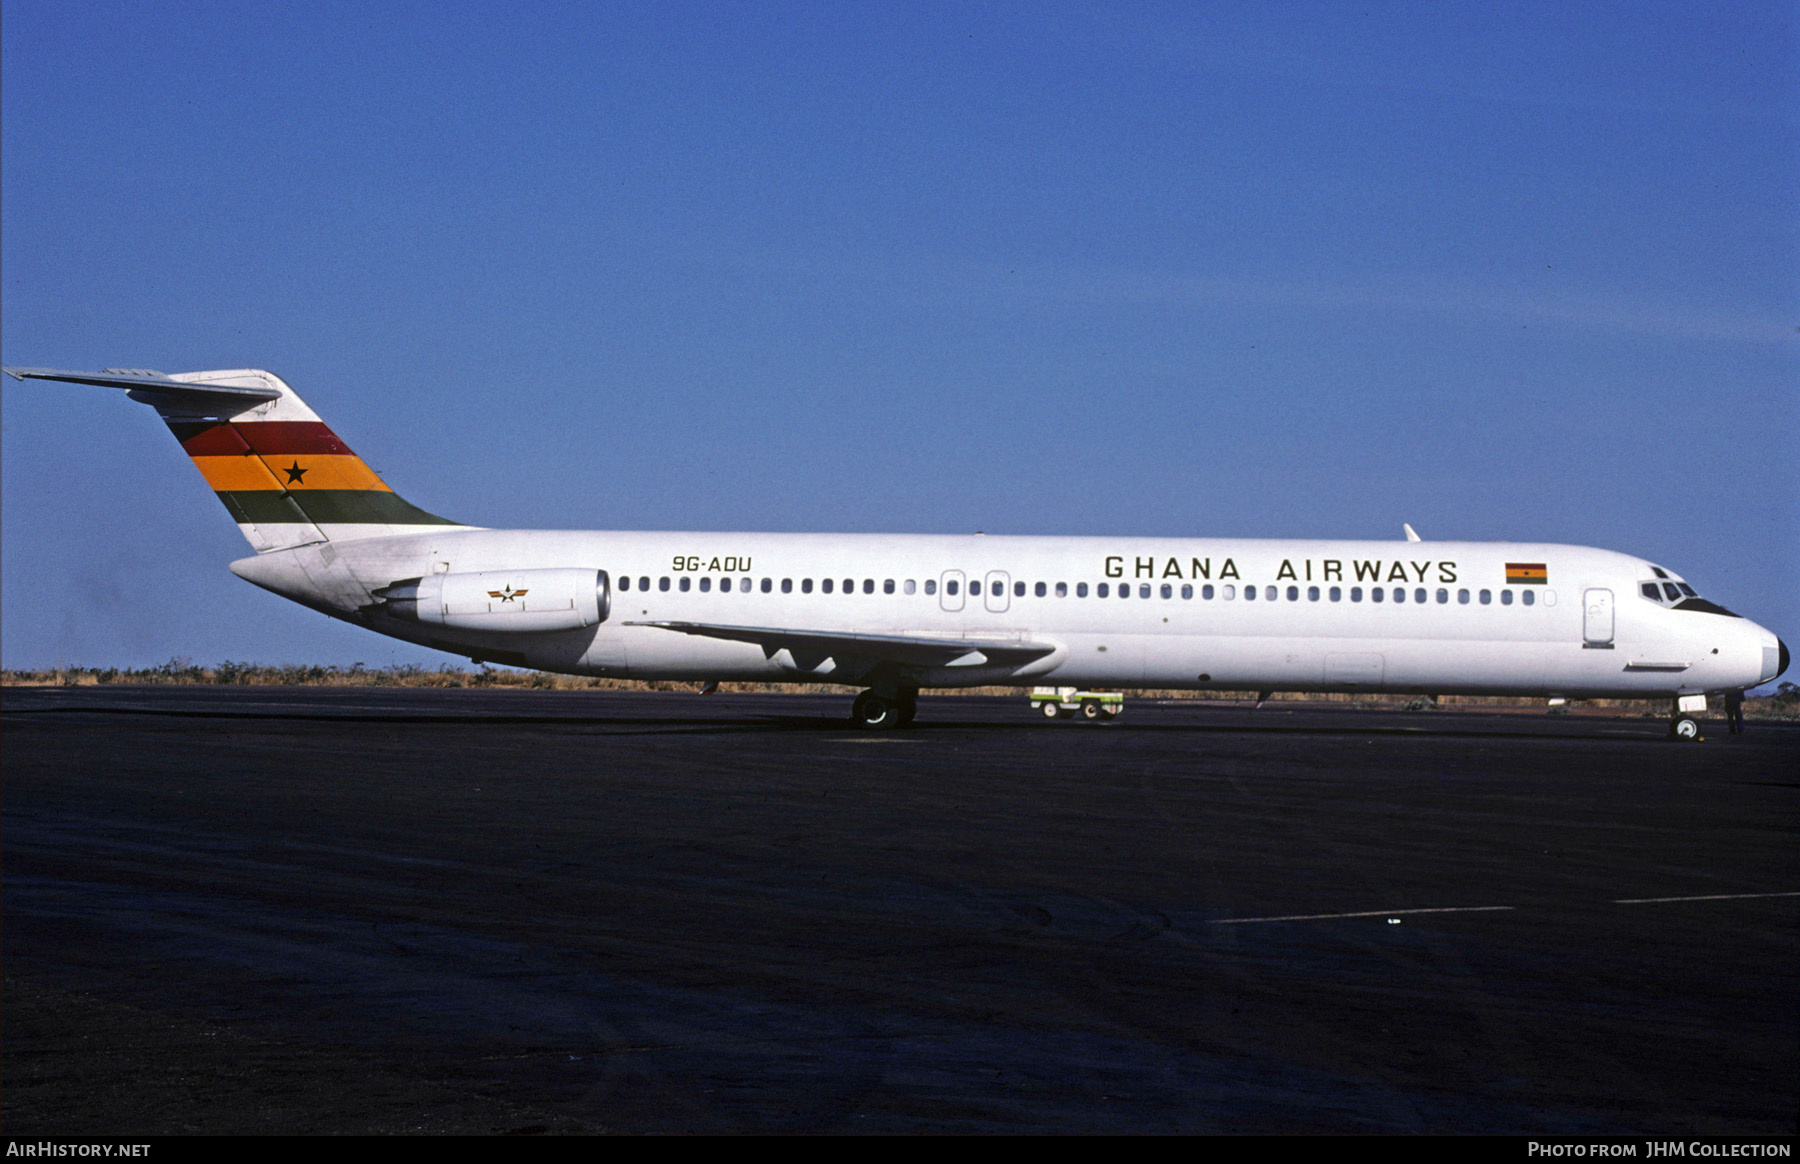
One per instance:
[(919, 649)]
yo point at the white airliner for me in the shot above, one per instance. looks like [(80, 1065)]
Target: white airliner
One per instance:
[(899, 613)]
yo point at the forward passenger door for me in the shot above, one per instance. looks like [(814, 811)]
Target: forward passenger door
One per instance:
[(1597, 619)]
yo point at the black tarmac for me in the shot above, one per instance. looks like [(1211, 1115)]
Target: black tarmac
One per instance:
[(392, 910)]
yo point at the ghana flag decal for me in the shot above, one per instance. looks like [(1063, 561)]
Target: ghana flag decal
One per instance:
[(266, 470), (1527, 574)]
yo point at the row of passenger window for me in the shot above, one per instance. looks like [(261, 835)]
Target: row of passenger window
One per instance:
[(1226, 592), (745, 585)]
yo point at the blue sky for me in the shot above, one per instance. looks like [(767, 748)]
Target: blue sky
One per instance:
[(1506, 271)]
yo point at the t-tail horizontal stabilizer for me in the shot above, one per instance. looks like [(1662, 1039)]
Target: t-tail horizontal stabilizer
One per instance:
[(286, 479), (144, 380)]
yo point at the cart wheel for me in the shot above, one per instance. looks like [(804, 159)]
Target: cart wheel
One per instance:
[(1090, 709), (1049, 708)]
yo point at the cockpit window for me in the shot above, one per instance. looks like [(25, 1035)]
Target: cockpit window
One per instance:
[(1671, 591)]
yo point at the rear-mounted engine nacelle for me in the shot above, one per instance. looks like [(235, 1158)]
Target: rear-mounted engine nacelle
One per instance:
[(503, 600)]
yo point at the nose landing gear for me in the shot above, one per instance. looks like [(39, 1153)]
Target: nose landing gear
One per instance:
[(1683, 725)]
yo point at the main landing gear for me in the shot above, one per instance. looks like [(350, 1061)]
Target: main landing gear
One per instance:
[(877, 712)]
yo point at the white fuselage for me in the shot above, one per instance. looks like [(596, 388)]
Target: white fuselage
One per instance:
[(1186, 618)]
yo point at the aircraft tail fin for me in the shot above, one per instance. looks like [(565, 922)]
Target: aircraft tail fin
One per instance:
[(286, 478)]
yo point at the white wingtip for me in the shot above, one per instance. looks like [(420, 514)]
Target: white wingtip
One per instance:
[(1410, 535)]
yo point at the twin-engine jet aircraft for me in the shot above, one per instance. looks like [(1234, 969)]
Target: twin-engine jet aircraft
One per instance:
[(895, 614)]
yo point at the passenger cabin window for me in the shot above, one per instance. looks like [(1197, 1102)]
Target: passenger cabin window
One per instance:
[(1019, 589), (1081, 589), (1187, 592), (849, 586), (1227, 593), (1143, 590), (724, 585), (1040, 589), (1487, 597), (1293, 594), (1101, 591), (1312, 593), (1062, 589), (1356, 594), (887, 586), (1375, 594), (931, 586), (1249, 593), (1206, 592), (1462, 598), (662, 583), (950, 587), (787, 585), (768, 584), (1506, 598), (1527, 597), (806, 585), (685, 584), (706, 584), (911, 586)]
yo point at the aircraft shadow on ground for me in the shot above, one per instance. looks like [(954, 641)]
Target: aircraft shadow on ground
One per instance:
[(1636, 730)]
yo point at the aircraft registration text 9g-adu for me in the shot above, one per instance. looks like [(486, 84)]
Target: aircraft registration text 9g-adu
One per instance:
[(899, 613)]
